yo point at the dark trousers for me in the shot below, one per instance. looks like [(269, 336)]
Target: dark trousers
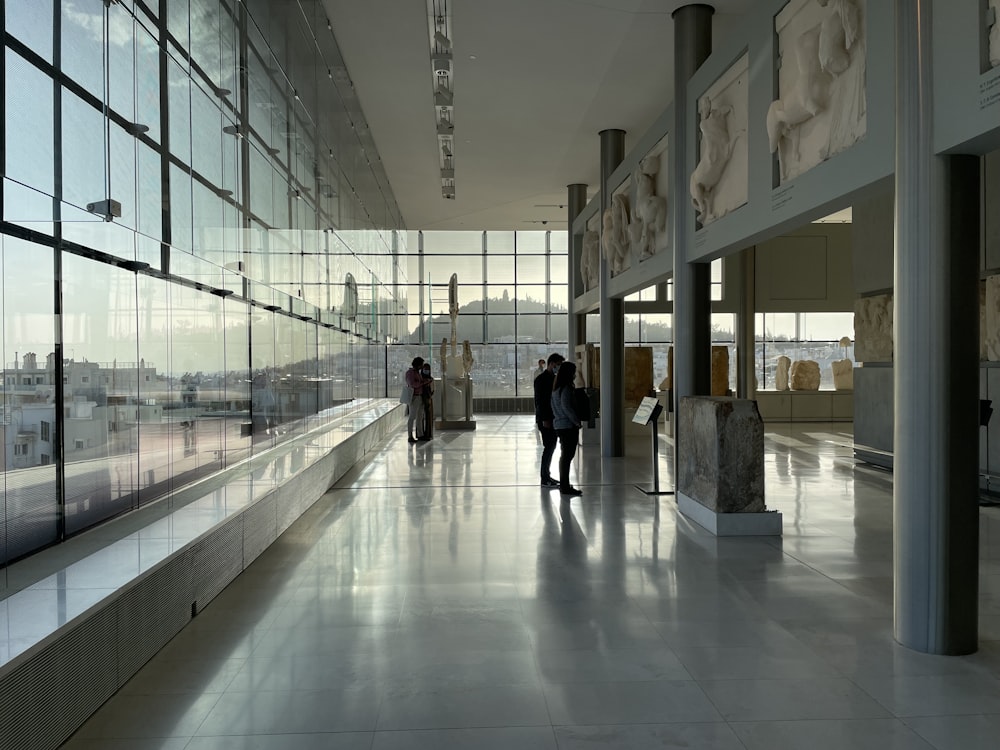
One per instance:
[(568, 440), (549, 440), (428, 406)]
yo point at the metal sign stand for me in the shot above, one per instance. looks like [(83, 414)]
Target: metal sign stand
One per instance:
[(649, 412)]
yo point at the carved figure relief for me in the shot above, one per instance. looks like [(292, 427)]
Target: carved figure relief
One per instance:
[(649, 212), (873, 328), (805, 375), (614, 237), (590, 259), (719, 182), (994, 36), (781, 373), (992, 318), (821, 108), (715, 149)]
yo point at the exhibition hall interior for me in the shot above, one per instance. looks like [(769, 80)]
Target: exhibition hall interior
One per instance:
[(766, 233)]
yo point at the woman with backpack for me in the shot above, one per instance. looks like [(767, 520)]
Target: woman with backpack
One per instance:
[(566, 423)]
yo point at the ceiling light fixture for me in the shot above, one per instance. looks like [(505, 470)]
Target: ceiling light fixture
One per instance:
[(443, 77)]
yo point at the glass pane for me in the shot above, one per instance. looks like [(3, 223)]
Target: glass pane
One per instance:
[(159, 432), (470, 243), (531, 298), (237, 381), (500, 243), (655, 328), (439, 268), (101, 385), (530, 242), (84, 154), (495, 370), (500, 269), (83, 45), (558, 269), (723, 327), (558, 243), (29, 127), (558, 328), (28, 477), (530, 270), (31, 23), (559, 298), (500, 329), (197, 401), (529, 327)]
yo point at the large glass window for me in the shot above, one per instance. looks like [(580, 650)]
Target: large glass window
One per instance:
[(821, 337), (30, 502), (196, 321)]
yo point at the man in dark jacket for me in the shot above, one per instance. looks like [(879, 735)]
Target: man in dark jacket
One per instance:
[(543, 416)]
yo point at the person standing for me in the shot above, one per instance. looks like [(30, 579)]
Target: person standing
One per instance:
[(566, 423), (427, 400), (541, 368), (543, 416), (415, 409)]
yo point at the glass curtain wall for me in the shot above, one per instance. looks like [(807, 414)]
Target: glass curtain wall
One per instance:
[(199, 250), (512, 302)]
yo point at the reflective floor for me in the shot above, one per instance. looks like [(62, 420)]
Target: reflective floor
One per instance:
[(439, 598)]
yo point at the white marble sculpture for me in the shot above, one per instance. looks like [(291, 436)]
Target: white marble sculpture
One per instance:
[(781, 373), (349, 307), (805, 375), (614, 237), (715, 150), (843, 374), (823, 53), (873, 328), (649, 213), (991, 323), (995, 34), (453, 308), (590, 259), (452, 365), (467, 360)]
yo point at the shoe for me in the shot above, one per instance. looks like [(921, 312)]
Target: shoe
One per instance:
[(550, 483), (411, 439), (570, 491), (423, 439)]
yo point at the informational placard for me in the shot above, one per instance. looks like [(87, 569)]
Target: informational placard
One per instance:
[(649, 409)]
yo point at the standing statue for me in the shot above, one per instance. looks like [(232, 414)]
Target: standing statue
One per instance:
[(716, 148), (453, 310), (614, 238), (649, 214), (590, 259), (349, 309)]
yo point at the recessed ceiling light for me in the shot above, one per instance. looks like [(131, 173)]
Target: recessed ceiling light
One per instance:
[(472, 57)]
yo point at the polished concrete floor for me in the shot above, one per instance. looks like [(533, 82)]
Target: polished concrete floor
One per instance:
[(439, 598)]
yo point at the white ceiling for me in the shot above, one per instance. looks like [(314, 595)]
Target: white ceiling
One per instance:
[(548, 75)]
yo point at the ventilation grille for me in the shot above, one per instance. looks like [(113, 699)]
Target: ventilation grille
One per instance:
[(52, 694), (217, 561), (259, 528), (152, 613)]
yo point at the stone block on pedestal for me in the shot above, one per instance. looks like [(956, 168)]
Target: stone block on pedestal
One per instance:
[(805, 375), (720, 370), (720, 476)]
